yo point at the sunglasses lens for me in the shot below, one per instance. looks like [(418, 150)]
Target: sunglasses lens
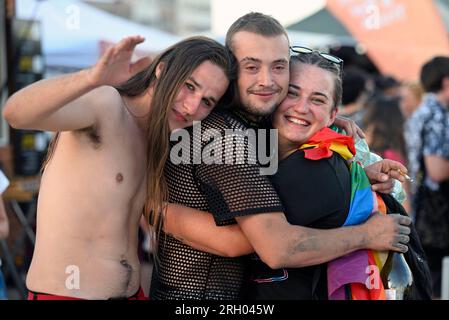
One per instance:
[(301, 50), (331, 58)]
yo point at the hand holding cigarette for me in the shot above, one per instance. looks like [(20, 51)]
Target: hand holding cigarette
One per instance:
[(405, 176)]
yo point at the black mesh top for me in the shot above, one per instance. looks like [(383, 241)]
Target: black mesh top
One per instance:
[(227, 190)]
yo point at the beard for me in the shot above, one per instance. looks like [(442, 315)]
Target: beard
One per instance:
[(257, 111), (253, 110)]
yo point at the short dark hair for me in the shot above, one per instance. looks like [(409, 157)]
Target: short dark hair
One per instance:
[(385, 82), (433, 72), (315, 59), (354, 84), (257, 23)]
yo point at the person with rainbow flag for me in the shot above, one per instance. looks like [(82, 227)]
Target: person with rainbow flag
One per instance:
[(319, 178)]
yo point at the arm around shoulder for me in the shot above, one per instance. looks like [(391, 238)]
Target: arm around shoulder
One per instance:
[(282, 245)]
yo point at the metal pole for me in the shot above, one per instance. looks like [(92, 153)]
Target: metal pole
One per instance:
[(445, 279)]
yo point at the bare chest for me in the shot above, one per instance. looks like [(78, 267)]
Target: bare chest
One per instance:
[(109, 160)]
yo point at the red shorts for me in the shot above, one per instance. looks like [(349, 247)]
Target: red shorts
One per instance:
[(139, 295)]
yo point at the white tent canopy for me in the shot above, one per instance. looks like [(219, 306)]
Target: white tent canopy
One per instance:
[(72, 31)]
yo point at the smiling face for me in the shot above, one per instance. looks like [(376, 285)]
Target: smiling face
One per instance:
[(263, 70), (307, 108), (198, 95)]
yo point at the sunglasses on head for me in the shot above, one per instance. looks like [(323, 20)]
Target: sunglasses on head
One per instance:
[(327, 56)]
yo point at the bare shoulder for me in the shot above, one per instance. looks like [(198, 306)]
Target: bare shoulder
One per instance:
[(105, 97), (107, 103)]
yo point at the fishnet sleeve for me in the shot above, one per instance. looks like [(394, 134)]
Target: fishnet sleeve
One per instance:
[(235, 187)]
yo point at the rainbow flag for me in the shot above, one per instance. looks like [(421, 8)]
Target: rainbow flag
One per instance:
[(355, 276)]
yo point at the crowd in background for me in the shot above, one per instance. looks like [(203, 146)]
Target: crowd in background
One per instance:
[(409, 122)]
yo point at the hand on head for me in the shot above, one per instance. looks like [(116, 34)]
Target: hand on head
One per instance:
[(350, 127)]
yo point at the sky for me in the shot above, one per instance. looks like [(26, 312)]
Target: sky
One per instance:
[(286, 11)]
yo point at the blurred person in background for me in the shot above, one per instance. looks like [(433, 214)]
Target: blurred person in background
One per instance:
[(384, 123), (427, 137), (355, 93), (411, 94), (384, 130), (386, 85)]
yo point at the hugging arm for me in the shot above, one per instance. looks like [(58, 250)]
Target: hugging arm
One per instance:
[(198, 229)]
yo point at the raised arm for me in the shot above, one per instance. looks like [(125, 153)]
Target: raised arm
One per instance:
[(198, 229), (69, 102)]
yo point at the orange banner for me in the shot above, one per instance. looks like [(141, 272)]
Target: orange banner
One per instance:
[(399, 35)]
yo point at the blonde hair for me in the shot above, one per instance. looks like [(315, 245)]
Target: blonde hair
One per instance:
[(415, 88)]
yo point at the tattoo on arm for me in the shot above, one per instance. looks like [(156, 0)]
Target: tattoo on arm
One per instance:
[(309, 241), (306, 242)]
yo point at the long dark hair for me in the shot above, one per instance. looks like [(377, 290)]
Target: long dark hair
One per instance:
[(384, 115), (178, 62)]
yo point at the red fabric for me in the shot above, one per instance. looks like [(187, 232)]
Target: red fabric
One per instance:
[(362, 292), (139, 295), (44, 296), (323, 139)]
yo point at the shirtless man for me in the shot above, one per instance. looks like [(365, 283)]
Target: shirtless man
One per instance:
[(93, 188)]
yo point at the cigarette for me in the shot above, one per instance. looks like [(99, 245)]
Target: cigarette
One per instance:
[(405, 176)]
